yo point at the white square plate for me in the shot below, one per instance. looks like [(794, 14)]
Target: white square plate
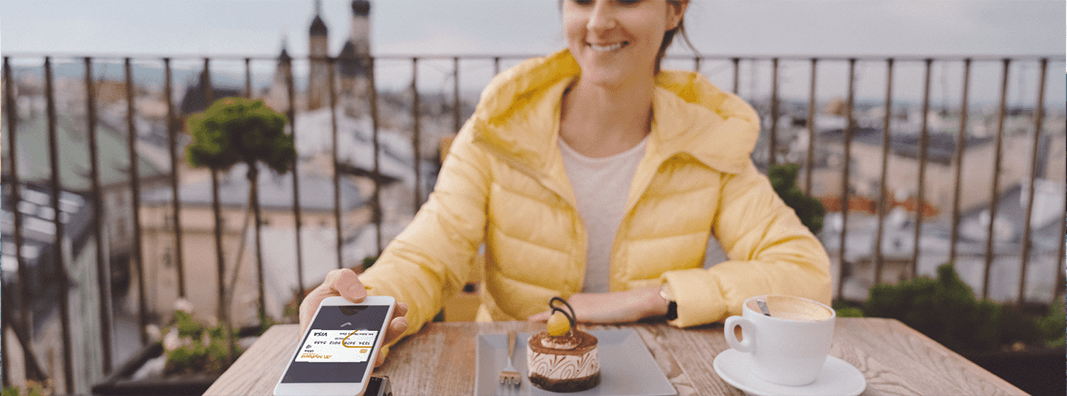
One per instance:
[(626, 366)]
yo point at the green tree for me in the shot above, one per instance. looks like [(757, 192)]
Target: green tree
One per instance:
[(237, 130), (809, 210)]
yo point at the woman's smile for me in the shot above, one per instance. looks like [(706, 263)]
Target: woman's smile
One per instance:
[(608, 47), (616, 42)]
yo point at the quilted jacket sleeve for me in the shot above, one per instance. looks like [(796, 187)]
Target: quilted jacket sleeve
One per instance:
[(431, 259), (770, 250)]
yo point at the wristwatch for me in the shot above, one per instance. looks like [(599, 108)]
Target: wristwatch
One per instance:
[(672, 305)]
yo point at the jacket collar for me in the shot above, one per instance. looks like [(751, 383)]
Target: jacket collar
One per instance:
[(518, 117)]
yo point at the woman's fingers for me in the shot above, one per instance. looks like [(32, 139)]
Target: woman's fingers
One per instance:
[(397, 326), (339, 282), (347, 284), (540, 317), (401, 310)]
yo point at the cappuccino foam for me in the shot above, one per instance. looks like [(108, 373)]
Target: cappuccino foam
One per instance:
[(792, 308)]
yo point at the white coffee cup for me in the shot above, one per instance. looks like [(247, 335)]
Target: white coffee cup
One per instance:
[(788, 347)]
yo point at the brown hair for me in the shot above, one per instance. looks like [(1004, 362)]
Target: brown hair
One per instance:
[(668, 37)]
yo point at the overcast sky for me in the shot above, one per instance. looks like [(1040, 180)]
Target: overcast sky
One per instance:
[(734, 27), (716, 28)]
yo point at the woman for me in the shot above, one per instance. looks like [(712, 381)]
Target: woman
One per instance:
[(592, 175)]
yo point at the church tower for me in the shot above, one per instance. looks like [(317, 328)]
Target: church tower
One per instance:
[(277, 96), (355, 62), (318, 49)]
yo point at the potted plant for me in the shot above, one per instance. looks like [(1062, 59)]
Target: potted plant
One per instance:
[(32, 388), (188, 356)]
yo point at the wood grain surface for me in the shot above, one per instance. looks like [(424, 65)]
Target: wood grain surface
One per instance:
[(439, 359)]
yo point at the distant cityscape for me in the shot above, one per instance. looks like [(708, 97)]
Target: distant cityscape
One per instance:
[(407, 174)]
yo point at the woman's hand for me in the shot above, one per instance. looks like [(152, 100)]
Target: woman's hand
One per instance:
[(614, 307), (345, 283)]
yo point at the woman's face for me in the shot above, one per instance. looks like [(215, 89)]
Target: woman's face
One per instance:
[(616, 41)]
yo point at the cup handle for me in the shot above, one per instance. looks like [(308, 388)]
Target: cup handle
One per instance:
[(731, 337)]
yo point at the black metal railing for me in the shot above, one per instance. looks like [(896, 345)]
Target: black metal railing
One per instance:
[(22, 324)]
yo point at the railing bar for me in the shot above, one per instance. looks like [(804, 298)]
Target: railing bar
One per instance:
[(1038, 119), (33, 367), (257, 214), (496, 65), (5, 371), (339, 240), (773, 146), (456, 123), (58, 261), (290, 113), (844, 177), (1061, 271), (920, 196), (172, 147), (103, 267), (5, 380), (416, 126), (377, 165), (296, 176), (809, 166), (248, 78), (957, 163), (879, 258), (16, 197), (135, 191), (737, 75), (995, 198), (696, 64), (223, 310)]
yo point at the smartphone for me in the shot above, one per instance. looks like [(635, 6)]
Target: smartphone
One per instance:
[(336, 354)]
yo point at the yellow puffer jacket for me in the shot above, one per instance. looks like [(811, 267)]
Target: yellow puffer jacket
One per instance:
[(503, 184)]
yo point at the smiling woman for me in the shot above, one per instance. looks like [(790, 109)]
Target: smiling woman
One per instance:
[(590, 174)]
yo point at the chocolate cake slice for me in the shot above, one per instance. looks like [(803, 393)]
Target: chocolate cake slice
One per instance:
[(563, 359), (563, 370)]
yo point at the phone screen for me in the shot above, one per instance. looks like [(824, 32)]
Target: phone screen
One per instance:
[(338, 346)]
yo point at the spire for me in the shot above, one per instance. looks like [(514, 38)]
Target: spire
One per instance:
[(318, 27), (361, 7), (285, 45)]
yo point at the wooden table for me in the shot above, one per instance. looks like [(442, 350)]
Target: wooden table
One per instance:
[(438, 360)]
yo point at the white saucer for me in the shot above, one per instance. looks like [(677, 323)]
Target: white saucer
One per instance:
[(836, 378)]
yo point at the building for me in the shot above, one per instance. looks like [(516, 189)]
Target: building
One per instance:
[(37, 279), (902, 179), (355, 62), (352, 74), (318, 73), (898, 246), (277, 95), (73, 157), (194, 101), (199, 257)]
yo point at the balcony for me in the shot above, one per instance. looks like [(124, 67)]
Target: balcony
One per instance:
[(909, 184)]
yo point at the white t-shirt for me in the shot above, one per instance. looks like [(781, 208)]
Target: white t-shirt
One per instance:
[(601, 186)]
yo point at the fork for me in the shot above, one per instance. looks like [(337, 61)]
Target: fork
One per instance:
[(510, 376)]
